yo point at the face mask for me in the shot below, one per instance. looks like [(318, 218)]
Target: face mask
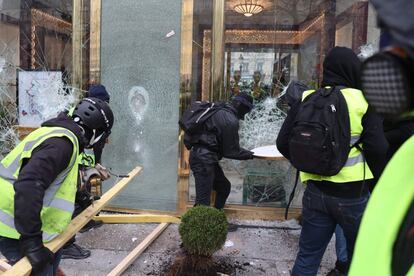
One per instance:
[(387, 82), (95, 138)]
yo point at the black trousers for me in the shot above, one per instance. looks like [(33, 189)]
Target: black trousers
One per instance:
[(208, 176)]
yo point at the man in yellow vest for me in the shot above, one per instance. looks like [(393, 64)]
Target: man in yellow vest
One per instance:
[(339, 199), (38, 183), (385, 243)]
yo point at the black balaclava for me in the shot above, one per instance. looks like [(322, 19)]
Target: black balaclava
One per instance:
[(341, 67), (243, 104)]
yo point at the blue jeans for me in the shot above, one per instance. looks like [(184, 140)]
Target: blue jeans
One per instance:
[(340, 245), (11, 250), (320, 215)]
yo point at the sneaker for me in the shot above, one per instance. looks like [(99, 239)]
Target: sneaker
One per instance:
[(76, 252), (92, 224), (232, 227)]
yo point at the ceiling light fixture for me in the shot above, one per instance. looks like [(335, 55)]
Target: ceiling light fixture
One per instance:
[(248, 7)]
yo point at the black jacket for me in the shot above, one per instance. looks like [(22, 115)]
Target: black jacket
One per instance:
[(397, 133), (221, 135), (48, 160), (342, 68)]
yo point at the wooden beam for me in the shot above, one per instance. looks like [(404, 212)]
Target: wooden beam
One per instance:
[(137, 218), (77, 42), (234, 211), (121, 267), (117, 209), (23, 266), (95, 42)]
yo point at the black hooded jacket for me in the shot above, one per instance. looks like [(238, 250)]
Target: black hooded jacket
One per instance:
[(342, 67), (221, 135), (48, 160)]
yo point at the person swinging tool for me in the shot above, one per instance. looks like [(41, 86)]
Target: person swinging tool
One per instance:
[(38, 183)]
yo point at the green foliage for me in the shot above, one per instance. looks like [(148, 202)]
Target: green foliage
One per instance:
[(203, 230)]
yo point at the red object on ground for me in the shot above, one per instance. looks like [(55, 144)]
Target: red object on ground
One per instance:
[(60, 272)]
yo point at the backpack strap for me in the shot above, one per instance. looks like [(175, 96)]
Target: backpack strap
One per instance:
[(357, 146), (327, 91), (292, 194)]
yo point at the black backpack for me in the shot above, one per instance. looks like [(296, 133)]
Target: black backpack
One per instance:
[(196, 115), (294, 92), (320, 138)]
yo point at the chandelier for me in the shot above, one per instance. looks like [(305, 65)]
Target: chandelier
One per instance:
[(248, 7)]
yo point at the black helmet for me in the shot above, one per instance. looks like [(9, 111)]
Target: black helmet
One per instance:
[(95, 117)]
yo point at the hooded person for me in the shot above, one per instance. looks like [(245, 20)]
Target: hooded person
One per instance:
[(218, 139), (91, 158), (98, 91), (385, 243), (339, 199), (38, 183)]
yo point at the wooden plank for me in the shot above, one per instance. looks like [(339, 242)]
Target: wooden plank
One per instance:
[(117, 209), (4, 265), (182, 192), (23, 131), (95, 42), (23, 266), (121, 267), (137, 218), (234, 211)]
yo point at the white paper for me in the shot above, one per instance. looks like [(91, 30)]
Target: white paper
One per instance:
[(228, 243), (170, 34), (267, 151)]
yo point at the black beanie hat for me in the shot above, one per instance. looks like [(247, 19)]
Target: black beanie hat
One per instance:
[(245, 99), (99, 91)]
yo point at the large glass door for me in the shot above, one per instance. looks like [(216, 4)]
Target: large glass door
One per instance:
[(266, 44), (140, 58)]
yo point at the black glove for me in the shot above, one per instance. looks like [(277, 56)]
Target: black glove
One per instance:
[(83, 199), (39, 256), (251, 155)]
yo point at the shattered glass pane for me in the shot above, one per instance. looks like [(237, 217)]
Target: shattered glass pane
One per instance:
[(33, 41), (8, 110), (140, 68)]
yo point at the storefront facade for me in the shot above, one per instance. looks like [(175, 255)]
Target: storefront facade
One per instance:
[(157, 56)]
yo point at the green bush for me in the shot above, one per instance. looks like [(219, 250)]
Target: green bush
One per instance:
[(203, 230)]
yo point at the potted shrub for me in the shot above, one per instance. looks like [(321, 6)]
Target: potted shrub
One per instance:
[(203, 231)]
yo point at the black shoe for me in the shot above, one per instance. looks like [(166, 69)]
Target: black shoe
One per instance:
[(335, 272), (91, 225), (76, 252), (341, 269), (232, 227)]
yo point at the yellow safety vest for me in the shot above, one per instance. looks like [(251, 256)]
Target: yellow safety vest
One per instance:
[(383, 217), (354, 166), (59, 198), (87, 158)]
